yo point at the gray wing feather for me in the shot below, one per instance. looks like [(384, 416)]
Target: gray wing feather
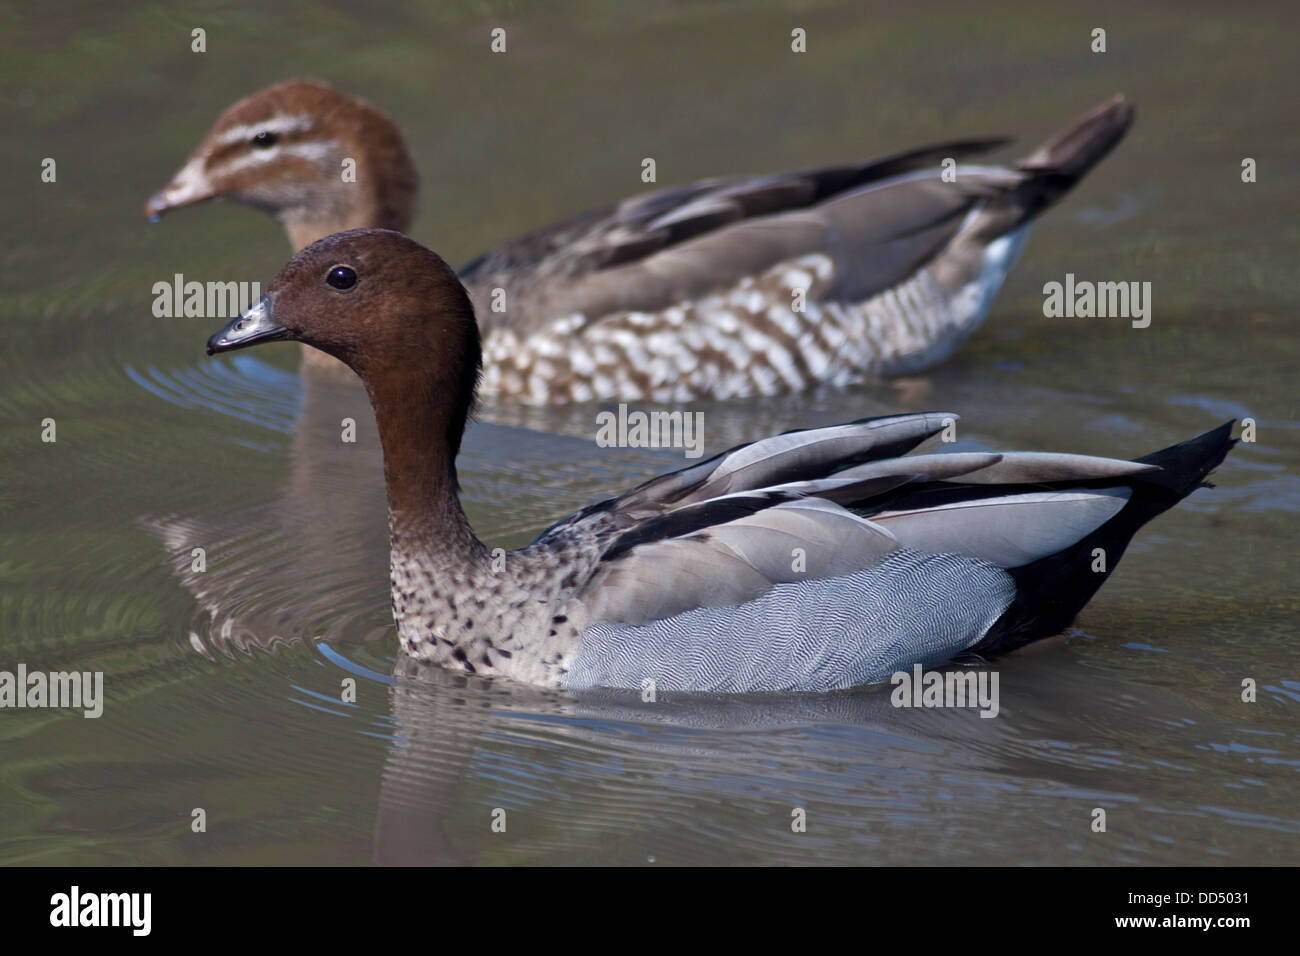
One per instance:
[(1025, 467), (815, 452), (1007, 531), (1000, 468), (731, 563), (794, 456)]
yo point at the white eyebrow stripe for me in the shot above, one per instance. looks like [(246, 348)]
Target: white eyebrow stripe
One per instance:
[(281, 125), (314, 152)]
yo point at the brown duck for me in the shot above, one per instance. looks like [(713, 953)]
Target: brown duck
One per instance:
[(725, 288)]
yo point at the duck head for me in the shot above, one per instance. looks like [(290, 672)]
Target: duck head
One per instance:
[(319, 161), (389, 309)]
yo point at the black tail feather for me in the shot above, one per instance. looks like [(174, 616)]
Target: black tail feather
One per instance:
[(1052, 591)]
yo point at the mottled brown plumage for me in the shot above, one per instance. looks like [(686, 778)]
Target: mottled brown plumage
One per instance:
[(725, 288)]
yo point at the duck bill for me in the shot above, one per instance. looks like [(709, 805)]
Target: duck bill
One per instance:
[(256, 324), (189, 186)]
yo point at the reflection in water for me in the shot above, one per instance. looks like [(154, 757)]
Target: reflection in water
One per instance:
[(695, 779), (285, 568)]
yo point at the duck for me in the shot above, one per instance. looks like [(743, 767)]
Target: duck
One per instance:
[(727, 288), (810, 561)]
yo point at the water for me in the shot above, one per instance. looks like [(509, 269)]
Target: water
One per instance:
[(223, 687)]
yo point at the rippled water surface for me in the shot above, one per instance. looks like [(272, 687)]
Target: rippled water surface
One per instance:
[(223, 687)]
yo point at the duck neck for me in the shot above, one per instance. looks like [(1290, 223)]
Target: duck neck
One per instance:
[(305, 227), (375, 201), (420, 436)]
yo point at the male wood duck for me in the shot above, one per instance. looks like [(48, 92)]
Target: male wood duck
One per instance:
[(810, 561)]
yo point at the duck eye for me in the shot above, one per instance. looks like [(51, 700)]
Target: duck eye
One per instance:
[(263, 140), (342, 278)]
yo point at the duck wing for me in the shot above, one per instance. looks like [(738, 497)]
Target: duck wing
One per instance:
[(674, 244), (826, 558)]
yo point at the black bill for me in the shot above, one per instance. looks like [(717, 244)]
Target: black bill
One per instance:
[(256, 324)]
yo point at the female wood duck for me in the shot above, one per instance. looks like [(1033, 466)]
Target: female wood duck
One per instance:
[(725, 288)]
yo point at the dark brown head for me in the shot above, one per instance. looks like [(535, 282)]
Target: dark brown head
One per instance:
[(385, 306), (286, 150)]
